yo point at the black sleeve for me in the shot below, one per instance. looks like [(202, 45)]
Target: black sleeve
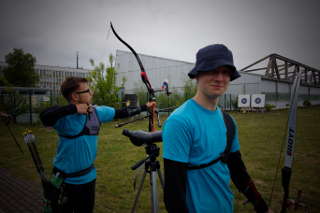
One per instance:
[(244, 183), (129, 111), (175, 174), (51, 115)]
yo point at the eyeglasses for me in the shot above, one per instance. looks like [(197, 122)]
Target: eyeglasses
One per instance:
[(85, 91)]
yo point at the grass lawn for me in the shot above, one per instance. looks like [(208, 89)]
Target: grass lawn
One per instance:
[(261, 136)]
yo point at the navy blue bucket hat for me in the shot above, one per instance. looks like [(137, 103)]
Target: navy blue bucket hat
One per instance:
[(211, 57)]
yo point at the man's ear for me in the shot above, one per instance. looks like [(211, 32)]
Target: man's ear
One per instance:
[(74, 97)]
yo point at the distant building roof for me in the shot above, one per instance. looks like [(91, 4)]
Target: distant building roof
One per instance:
[(24, 90), (54, 68)]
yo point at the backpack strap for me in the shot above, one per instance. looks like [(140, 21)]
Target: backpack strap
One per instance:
[(231, 131), (230, 126), (85, 130)]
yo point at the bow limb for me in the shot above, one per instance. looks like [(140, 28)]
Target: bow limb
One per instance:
[(145, 80), (6, 118), (287, 169), (143, 73)]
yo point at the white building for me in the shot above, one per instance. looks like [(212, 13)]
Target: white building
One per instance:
[(51, 77), (158, 69)]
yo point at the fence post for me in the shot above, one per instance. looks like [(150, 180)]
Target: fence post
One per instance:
[(30, 107)]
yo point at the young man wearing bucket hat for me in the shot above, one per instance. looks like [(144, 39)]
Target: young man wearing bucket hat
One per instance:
[(198, 166)]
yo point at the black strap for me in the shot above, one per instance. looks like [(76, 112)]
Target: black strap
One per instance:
[(204, 165), (85, 130), (231, 131), (73, 174), (230, 136)]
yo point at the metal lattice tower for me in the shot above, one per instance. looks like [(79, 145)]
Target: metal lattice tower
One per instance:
[(279, 68)]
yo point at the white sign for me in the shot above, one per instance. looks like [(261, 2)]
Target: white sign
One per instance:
[(258, 100), (243, 101)]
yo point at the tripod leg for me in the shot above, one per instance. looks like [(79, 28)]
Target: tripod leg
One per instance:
[(161, 178), (154, 192), (133, 210)]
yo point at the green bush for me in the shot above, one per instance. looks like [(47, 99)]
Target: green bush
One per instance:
[(189, 89), (269, 107)]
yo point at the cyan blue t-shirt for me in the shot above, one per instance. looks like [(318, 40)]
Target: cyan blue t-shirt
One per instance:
[(195, 135), (79, 153)]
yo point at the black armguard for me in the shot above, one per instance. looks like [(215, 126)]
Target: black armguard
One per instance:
[(51, 115), (175, 174), (244, 183), (129, 111)]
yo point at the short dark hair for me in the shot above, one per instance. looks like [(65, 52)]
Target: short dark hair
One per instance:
[(70, 85)]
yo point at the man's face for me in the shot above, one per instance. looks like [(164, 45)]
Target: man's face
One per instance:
[(83, 94), (213, 84)]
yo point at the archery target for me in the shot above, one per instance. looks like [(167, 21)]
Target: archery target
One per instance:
[(258, 100), (243, 101)]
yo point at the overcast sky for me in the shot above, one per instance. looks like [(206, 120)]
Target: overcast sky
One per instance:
[(53, 31)]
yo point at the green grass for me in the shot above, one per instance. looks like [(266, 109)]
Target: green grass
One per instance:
[(261, 136)]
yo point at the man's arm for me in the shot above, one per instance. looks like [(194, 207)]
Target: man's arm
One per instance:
[(51, 115), (175, 174), (129, 111), (244, 183)]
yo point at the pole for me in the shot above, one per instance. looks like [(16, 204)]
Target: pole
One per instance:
[(30, 107)]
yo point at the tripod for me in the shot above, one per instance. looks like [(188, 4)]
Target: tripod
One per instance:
[(151, 166)]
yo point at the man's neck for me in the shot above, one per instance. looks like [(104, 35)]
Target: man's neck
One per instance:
[(209, 103)]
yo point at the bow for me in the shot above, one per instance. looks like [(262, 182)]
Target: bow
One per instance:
[(51, 187), (30, 140), (287, 169), (152, 114), (6, 119), (289, 151)]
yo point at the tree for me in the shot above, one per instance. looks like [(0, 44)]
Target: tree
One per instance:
[(103, 82), (3, 80), (20, 70)]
